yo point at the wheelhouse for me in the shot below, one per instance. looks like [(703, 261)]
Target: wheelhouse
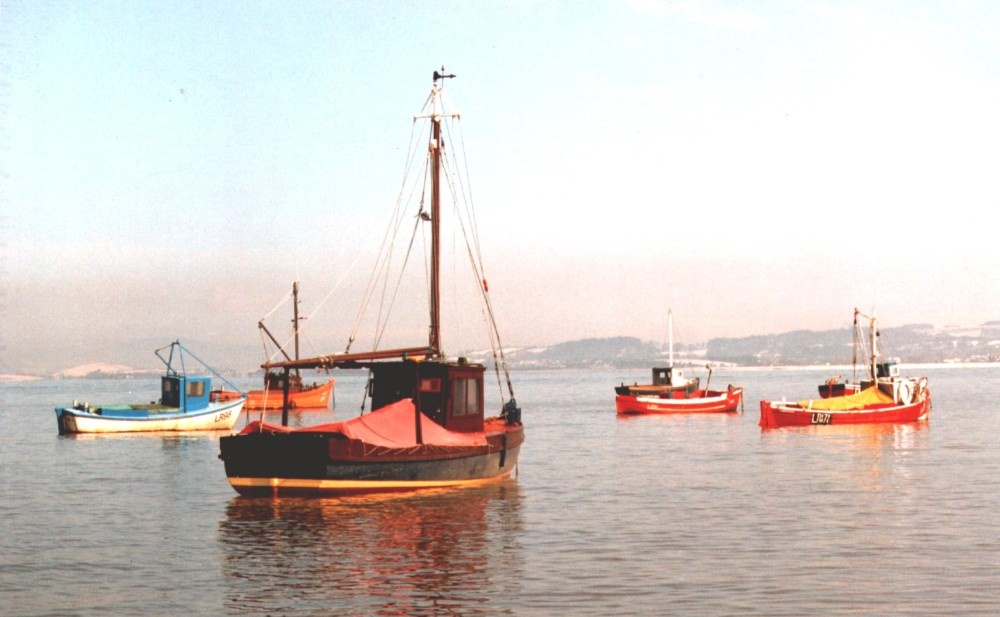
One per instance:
[(887, 369), (673, 377), (449, 393), (666, 376), (185, 392)]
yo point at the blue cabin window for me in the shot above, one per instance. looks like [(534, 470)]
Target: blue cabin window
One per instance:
[(196, 388)]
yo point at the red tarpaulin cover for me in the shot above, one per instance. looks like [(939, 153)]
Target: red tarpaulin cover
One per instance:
[(392, 426)]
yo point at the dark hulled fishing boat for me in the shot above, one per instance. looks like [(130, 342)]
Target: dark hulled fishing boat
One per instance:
[(428, 425)]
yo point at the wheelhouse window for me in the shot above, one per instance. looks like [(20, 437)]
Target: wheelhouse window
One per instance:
[(465, 397), (196, 388)]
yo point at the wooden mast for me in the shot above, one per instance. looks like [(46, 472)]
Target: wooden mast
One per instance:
[(670, 335), (436, 146), (295, 318), (875, 351), (285, 385), (434, 341)]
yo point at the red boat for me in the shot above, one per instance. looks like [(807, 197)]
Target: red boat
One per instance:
[(671, 392), (316, 396), (886, 398), (427, 427), (680, 401), (312, 396), (871, 405)]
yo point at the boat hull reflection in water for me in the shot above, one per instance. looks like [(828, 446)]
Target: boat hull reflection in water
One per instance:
[(401, 555)]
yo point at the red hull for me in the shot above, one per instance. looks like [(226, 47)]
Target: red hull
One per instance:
[(315, 397), (699, 401), (774, 414)]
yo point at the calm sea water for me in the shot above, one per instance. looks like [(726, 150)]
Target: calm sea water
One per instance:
[(682, 515)]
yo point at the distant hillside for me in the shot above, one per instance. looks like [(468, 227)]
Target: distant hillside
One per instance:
[(913, 344), (134, 358), (103, 370), (614, 352)]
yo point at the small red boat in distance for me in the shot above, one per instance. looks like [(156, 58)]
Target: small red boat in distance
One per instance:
[(671, 392), (643, 399), (310, 396), (315, 396)]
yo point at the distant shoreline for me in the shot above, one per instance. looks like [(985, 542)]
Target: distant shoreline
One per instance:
[(724, 368), (21, 378), (839, 367)]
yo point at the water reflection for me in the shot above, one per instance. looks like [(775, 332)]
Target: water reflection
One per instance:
[(875, 435), (866, 454), (455, 551), (696, 419)]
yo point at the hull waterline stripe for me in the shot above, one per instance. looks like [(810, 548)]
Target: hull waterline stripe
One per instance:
[(355, 485)]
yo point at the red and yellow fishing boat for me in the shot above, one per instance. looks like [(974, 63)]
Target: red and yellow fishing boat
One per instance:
[(870, 405), (884, 397)]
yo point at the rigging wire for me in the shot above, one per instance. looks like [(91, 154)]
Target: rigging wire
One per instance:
[(382, 291), (383, 262), (399, 281), (264, 346), (277, 306), (473, 246)]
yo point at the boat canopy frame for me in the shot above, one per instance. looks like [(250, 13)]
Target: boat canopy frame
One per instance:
[(180, 351)]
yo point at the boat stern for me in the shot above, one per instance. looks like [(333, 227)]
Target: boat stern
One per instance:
[(65, 420)]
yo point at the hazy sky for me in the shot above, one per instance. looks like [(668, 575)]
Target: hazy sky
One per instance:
[(169, 168)]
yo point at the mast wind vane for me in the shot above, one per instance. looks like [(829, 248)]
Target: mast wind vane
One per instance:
[(442, 75)]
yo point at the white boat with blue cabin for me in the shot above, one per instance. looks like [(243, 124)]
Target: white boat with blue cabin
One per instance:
[(186, 403)]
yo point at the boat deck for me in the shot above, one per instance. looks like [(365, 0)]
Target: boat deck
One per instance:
[(136, 410)]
